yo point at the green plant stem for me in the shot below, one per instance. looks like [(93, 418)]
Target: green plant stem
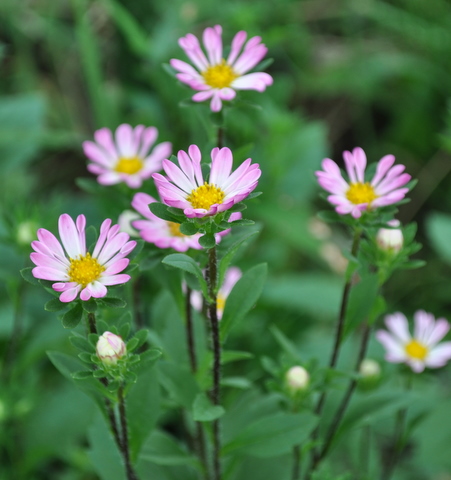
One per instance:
[(215, 393), (199, 439), (92, 327), (399, 440), (330, 435), (220, 139), (338, 335), (131, 474), (296, 462)]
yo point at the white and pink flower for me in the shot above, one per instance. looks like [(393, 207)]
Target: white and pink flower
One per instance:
[(126, 157), (76, 270), (358, 194), (420, 350), (215, 77), (166, 234), (185, 187), (232, 275)]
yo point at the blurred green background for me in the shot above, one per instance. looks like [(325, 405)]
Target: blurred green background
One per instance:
[(369, 73)]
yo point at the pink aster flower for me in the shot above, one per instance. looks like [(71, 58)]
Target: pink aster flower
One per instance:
[(74, 268), (217, 78), (423, 349), (126, 158), (186, 188), (166, 234), (233, 274), (358, 194)]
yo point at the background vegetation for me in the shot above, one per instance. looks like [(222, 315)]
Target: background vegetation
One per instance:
[(369, 73)]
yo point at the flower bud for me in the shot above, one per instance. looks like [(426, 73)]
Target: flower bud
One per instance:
[(369, 368), (110, 348), (390, 239), (297, 379), (26, 232)]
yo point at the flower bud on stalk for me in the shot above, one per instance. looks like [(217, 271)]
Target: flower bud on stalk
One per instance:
[(369, 368), (110, 348), (390, 239), (297, 379)]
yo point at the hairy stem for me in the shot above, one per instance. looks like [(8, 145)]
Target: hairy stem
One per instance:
[(344, 403), (131, 474), (338, 336), (215, 393)]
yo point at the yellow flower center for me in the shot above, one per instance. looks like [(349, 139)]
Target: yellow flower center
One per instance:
[(416, 350), (84, 270), (219, 76), (174, 229), (205, 196), (220, 303), (129, 165), (361, 193)]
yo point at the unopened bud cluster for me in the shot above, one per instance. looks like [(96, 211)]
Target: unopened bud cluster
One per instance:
[(297, 379), (110, 348), (390, 239)]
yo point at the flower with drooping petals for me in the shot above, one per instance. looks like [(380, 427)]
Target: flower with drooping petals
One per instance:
[(166, 234), (110, 348), (423, 349), (215, 77), (126, 158), (359, 194), (232, 275), (74, 268), (186, 188)]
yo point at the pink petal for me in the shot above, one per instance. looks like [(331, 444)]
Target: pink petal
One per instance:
[(125, 141), (237, 44), (70, 236), (398, 325)]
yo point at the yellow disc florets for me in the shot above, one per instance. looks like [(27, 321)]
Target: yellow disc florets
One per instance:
[(361, 193), (129, 165), (205, 196), (174, 229), (219, 76), (84, 270), (416, 350)]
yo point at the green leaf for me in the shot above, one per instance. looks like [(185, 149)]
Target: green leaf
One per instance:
[(228, 356), (82, 374), (231, 252), (288, 346), (361, 301), (135, 252), (188, 228), (253, 195), (82, 344), (162, 449), (143, 409), (187, 264), (439, 232), (273, 435), (243, 222), (150, 356), (132, 344), (90, 306), (242, 298), (204, 410), (141, 336), (179, 382), (113, 302), (161, 211), (73, 317), (54, 305), (28, 276), (99, 374), (207, 241)]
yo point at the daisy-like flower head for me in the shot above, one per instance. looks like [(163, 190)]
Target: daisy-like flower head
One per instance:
[(186, 188), (166, 234), (74, 268), (126, 158), (233, 274), (215, 77), (359, 194), (420, 350)]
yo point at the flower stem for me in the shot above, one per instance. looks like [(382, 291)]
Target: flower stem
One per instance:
[(131, 474), (220, 139), (199, 439), (338, 337), (399, 440), (92, 327), (296, 462), (215, 393), (344, 403)]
